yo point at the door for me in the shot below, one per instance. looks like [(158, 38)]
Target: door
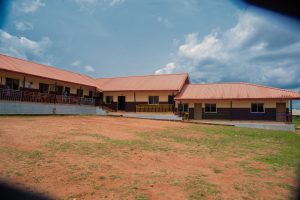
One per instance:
[(59, 89), (281, 112), (67, 91), (198, 111), (121, 102), (171, 99)]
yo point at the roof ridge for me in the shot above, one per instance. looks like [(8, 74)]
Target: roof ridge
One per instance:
[(143, 75), (53, 67)]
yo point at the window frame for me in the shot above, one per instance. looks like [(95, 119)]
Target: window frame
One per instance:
[(111, 98), (153, 98), (210, 108), (185, 105), (44, 88), (264, 111)]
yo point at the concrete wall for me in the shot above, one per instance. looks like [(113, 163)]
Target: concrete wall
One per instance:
[(33, 82), (23, 108)]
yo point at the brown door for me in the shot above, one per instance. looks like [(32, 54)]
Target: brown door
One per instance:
[(198, 111), (281, 112)]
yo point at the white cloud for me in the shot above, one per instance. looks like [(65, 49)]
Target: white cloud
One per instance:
[(256, 49), (23, 47), (89, 68), (23, 26), (169, 68), (165, 22), (90, 5), (76, 63), (30, 6), (115, 2)]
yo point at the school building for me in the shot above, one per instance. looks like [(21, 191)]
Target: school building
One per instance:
[(32, 88)]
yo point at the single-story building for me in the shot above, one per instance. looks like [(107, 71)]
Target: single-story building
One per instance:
[(142, 93), (24, 81), (235, 101)]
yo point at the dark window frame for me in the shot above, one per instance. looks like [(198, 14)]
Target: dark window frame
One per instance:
[(210, 108), (109, 99), (257, 108), (153, 100), (43, 88), (12, 83), (185, 107)]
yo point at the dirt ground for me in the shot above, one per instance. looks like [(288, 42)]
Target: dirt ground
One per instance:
[(89, 157)]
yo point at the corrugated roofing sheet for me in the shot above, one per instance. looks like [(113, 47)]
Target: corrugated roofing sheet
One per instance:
[(219, 91), (30, 68), (166, 82)]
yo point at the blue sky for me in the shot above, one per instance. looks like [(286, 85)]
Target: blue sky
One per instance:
[(215, 41)]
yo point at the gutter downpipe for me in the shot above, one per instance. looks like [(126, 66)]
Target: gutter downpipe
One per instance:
[(230, 110), (134, 101)]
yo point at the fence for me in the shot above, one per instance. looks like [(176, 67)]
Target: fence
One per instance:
[(155, 108), (17, 95)]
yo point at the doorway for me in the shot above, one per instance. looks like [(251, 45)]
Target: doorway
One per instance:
[(198, 111), (121, 102), (281, 112)]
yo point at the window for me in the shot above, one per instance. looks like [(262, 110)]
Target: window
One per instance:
[(210, 108), (12, 83), (90, 94), (80, 92), (67, 91), (153, 100), (108, 99), (257, 108), (43, 88), (185, 107), (59, 89)]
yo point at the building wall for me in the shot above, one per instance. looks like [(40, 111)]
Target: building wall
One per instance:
[(136, 98), (241, 110), (29, 108), (36, 81)]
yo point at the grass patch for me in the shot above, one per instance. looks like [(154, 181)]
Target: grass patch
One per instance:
[(80, 147), (199, 188), (296, 121), (277, 148), (28, 157), (141, 197)]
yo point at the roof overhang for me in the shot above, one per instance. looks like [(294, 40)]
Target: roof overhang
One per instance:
[(26, 74)]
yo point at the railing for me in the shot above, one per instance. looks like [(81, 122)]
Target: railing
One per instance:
[(17, 95), (155, 108)]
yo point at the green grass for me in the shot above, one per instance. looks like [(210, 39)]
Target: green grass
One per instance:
[(199, 188), (277, 148), (28, 157), (296, 121)]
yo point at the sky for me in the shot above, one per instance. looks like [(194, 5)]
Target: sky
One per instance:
[(214, 41)]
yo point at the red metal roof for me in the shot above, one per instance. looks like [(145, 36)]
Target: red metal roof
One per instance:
[(165, 82), (228, 91), (30, 68)]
